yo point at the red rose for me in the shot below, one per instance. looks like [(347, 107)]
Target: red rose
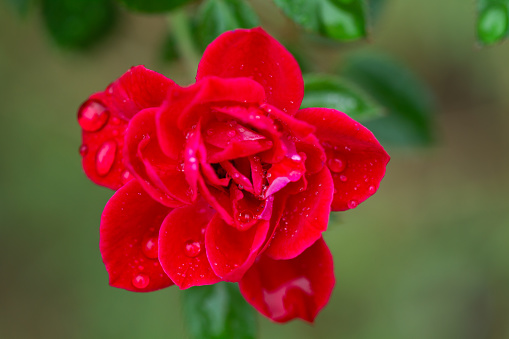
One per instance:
[(226, 180)]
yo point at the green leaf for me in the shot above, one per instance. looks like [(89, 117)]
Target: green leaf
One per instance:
[(492, 21), (152, 6), (408, 103), (332, 92), (218, 312), (78, 24), (20, 6), (169, 51), (218, 16), (343, 20)]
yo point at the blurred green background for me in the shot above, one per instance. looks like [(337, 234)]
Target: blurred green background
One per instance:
[(427, 257)]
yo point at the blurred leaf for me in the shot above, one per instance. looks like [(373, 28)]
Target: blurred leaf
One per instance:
[(152, 6), (20, 6), (78, 24), (332, 92), (342, 20), (218, 16), (408, 102), (492, 22), (375, 8), (218, 312), (169, 50)]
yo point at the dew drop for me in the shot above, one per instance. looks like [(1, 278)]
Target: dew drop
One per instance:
[(126, 177), (336, 165), (235, 175), (231, 133), (352, 204), (92, 116), (192, 249), (371, 189), (343, 178), (105, 157), (141, 281), (149, 247), (245, 216), (83, 150), (210, 131), (296, 157)]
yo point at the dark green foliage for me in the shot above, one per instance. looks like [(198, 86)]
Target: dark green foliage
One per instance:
[(343, 20), (332, 92), (152, 6), (78, 24), (407, 101), (218, 16), (218, 312)]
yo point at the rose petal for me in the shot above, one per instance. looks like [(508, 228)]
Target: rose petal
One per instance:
[(159, 175), (128, 240), (104, 118), (184, 106), (283, 290), (253, 53), (284, 172), (305, 217), (137, 89), (182, 250), (356, 159), (231, 252)]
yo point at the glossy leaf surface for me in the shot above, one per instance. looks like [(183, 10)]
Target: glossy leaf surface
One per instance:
[(218, 311)]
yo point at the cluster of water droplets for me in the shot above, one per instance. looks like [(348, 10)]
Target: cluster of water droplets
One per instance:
[(93, 117)]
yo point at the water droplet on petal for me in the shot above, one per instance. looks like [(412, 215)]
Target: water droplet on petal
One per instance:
[(352, 204), (231, 133), (245, 216), (371, 189), (296, 157), (141, 281), (193, 248), (92, 116), (83, 150), (343, 178), (210, 131), (336, 165), (105, 157), (126, 177), (149, 247)]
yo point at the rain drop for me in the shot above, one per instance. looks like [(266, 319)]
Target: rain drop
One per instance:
[(83, 150), (149, 247), (336, 165), (105, 157), (141, 281), (343, 178), (371, 189), (92, 116), (245, 216), (192, 249), (352, 204), (231, 133), (126, 177)]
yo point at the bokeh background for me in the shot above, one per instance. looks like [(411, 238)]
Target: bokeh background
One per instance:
[(426, 258)]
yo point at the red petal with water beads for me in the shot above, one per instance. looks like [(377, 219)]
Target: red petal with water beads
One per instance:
[(182, 251), (356, 159), (255, 54), (315, 154), (289, 170), (184, 106), (162, 177), (305, 217), (128, 240), (137, 89), (230, 251), (102, 141), (284, 290), (218, 198), (104, 117)]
